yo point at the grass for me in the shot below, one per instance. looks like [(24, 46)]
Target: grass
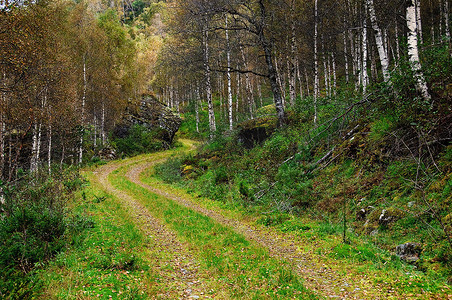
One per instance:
[(116, 256), (244, 269), (323, 239), (108, 261)]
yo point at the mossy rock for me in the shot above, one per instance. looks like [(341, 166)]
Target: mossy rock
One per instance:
[(256, 131), (151, 114)]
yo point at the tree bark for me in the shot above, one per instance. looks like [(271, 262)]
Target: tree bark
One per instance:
[(365, 76), (316, 61), (382, 53), (413, 51), (212, 124), (85, 84), (228, 75)]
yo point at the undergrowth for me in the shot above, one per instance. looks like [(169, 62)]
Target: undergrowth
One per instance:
[(390, 155)]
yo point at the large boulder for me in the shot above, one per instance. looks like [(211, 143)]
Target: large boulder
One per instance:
[(151, 114), (256, 131), (409, 252)]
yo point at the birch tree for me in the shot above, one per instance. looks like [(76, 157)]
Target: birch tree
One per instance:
[(212, 124), (228, 75), (382, 52), (413, 50)]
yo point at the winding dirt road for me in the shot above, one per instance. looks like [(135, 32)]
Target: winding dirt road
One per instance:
[(318, 274)]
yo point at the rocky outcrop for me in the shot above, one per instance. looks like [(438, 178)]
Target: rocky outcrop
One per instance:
[(151, 114), (409, 252), (256, 131)]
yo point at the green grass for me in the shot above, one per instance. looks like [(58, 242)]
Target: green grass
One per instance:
[(243, 268), (109, 261), (324, 238)]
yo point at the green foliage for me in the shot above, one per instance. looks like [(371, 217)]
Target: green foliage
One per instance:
[(139, 140), (170, 170), (34, 226)]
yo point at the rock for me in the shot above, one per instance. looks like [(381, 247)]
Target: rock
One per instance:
[(107, 153), (256, 131), (384, 218), (411, 204), (361, 214), (409, 252), (151, 114)]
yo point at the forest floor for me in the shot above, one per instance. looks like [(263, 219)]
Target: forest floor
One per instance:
[(197, 249)]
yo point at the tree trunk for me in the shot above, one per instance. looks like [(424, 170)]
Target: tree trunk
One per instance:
[(316, 61), (300, 79), (249, 89), (212, 124), (446, 21), (365, 76), (413, 51), (292, 63), (333, 57), (307, 81), (102, 126), (80, 157), (49, 138), (346, 57), (228, 75), (417, 4), (382, 53)]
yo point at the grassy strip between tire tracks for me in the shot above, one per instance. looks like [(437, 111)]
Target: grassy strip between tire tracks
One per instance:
[(245, 269)]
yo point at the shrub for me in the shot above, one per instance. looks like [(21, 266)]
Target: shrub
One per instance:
[(33, 226), (139, 140)]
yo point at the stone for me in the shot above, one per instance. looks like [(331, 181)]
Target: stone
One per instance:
[(384, 218), (361, 214), (107, 153), (256, 131), (151, 114), (409, 252)]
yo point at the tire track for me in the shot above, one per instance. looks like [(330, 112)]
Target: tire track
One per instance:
[(318, 277), (177, 267)]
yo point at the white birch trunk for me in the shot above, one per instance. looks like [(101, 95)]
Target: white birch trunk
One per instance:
[(80, 155), (2, 130), (102, 126), (346, 57), (280, 84), (300, 80), (382, 53), (292, 64), (212, 124), (237, 100), (259, 92), (333, 57), (49, 149), (417, 4), (198, 98), (413, 51), (446, 20), (95, 131), (34, 147), (307, 81), (365, 76), (397, 40), (229, 79), (249, 89), (316, 62)]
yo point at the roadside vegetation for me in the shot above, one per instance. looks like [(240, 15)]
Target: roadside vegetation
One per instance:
[(375, 174)]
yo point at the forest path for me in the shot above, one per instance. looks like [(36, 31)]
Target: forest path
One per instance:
[(178, 268), (325, 277)]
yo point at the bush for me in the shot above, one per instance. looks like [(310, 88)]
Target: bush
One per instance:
[(170, 170), (33, 226), (139, 140)]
